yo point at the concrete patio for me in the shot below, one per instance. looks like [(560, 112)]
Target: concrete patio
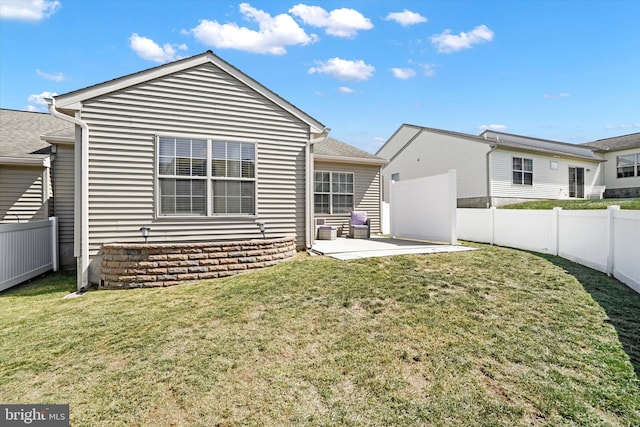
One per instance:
[(377, 246)]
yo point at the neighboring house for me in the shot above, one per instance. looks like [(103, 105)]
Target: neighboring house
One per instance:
[(494, 168), (197, 151), (346, 179), (622, 164)]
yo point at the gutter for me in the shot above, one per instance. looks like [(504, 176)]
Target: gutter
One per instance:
[(493, 147), (309, 179), (82, 280)]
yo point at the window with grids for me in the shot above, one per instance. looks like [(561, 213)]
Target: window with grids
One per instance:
[(333, 192), (188, 186), (522, 171), (628, 165)]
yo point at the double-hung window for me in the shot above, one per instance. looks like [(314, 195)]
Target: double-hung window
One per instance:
[(200, 177), (628, 165), (333, 192), (522, 171)]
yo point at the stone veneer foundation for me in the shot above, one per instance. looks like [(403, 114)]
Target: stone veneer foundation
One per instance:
[(136, 265)]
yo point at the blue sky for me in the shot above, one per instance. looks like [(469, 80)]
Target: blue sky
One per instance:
[(561, 70)]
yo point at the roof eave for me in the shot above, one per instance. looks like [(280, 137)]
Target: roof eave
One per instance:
[(26, 161), (340, 159)]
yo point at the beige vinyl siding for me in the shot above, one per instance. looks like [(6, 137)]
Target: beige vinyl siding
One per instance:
[(63, 203), (22, 196), (432, 153), (611, 171), (199, 102), (547, 183), (366, 195)]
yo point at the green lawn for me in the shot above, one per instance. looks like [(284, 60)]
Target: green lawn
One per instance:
[(630, 203), (494, 337)]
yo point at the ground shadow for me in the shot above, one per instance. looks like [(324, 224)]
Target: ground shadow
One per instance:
[(621, 304), (47, 283)]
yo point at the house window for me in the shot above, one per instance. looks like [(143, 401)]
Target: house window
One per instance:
[(395, 177), (522, 171), (628, 165), (333, 192), (185, 180)]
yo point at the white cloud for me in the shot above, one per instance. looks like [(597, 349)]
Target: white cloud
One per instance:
[(31, 108), (53, 77), (403, 73), (147, 49), (272, 37), (557, 96), (499, 128), (429, 70), (28, 10), (448, 43), (343, 69), (623, 126), (344, 89), (406, 18), (339, 22), (39, 101)]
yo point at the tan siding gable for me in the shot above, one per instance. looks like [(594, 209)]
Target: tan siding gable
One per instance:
[(203, 102)]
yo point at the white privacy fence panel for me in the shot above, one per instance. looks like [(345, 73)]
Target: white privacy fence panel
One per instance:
[(27, 250), (424, 208), (605, 240), (626, 247), (583, 237), (525, 229)]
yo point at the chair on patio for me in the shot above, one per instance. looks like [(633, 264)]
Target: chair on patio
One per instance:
[(324, 231), (359, 225)]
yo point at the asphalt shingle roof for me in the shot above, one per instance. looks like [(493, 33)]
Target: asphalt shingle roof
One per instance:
[(623, 142), (333, 148), (20, 133)]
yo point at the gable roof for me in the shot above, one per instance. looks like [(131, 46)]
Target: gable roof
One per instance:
[(616, 143), (331, 149), (21, 135), (73, 100)]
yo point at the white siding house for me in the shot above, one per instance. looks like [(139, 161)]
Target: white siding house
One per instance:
[(622, 164), (494, 168)]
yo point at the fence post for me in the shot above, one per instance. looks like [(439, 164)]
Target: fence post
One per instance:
[(492, 216), (53, 223), (611, 211), (555, 230), (453, 205)]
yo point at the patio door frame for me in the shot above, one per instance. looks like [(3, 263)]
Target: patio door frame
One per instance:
[(576, 182)]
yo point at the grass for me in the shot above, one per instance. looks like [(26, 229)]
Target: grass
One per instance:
[(630, 203), (489, 337)]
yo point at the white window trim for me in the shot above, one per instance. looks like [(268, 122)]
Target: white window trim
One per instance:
[(522, 171), (208, 178), (331, 193), (636, 166)]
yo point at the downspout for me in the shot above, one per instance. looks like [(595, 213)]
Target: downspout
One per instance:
[(308, 202), (493, 147), (82, 279)]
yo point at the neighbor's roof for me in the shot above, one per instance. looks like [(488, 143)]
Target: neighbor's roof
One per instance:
[(616, 143), (21, 132), (73, 100), (331, 149), (508, 140)]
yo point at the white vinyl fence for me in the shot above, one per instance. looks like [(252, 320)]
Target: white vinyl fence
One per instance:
[(424, 208), (605, 240), (27, 250)]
